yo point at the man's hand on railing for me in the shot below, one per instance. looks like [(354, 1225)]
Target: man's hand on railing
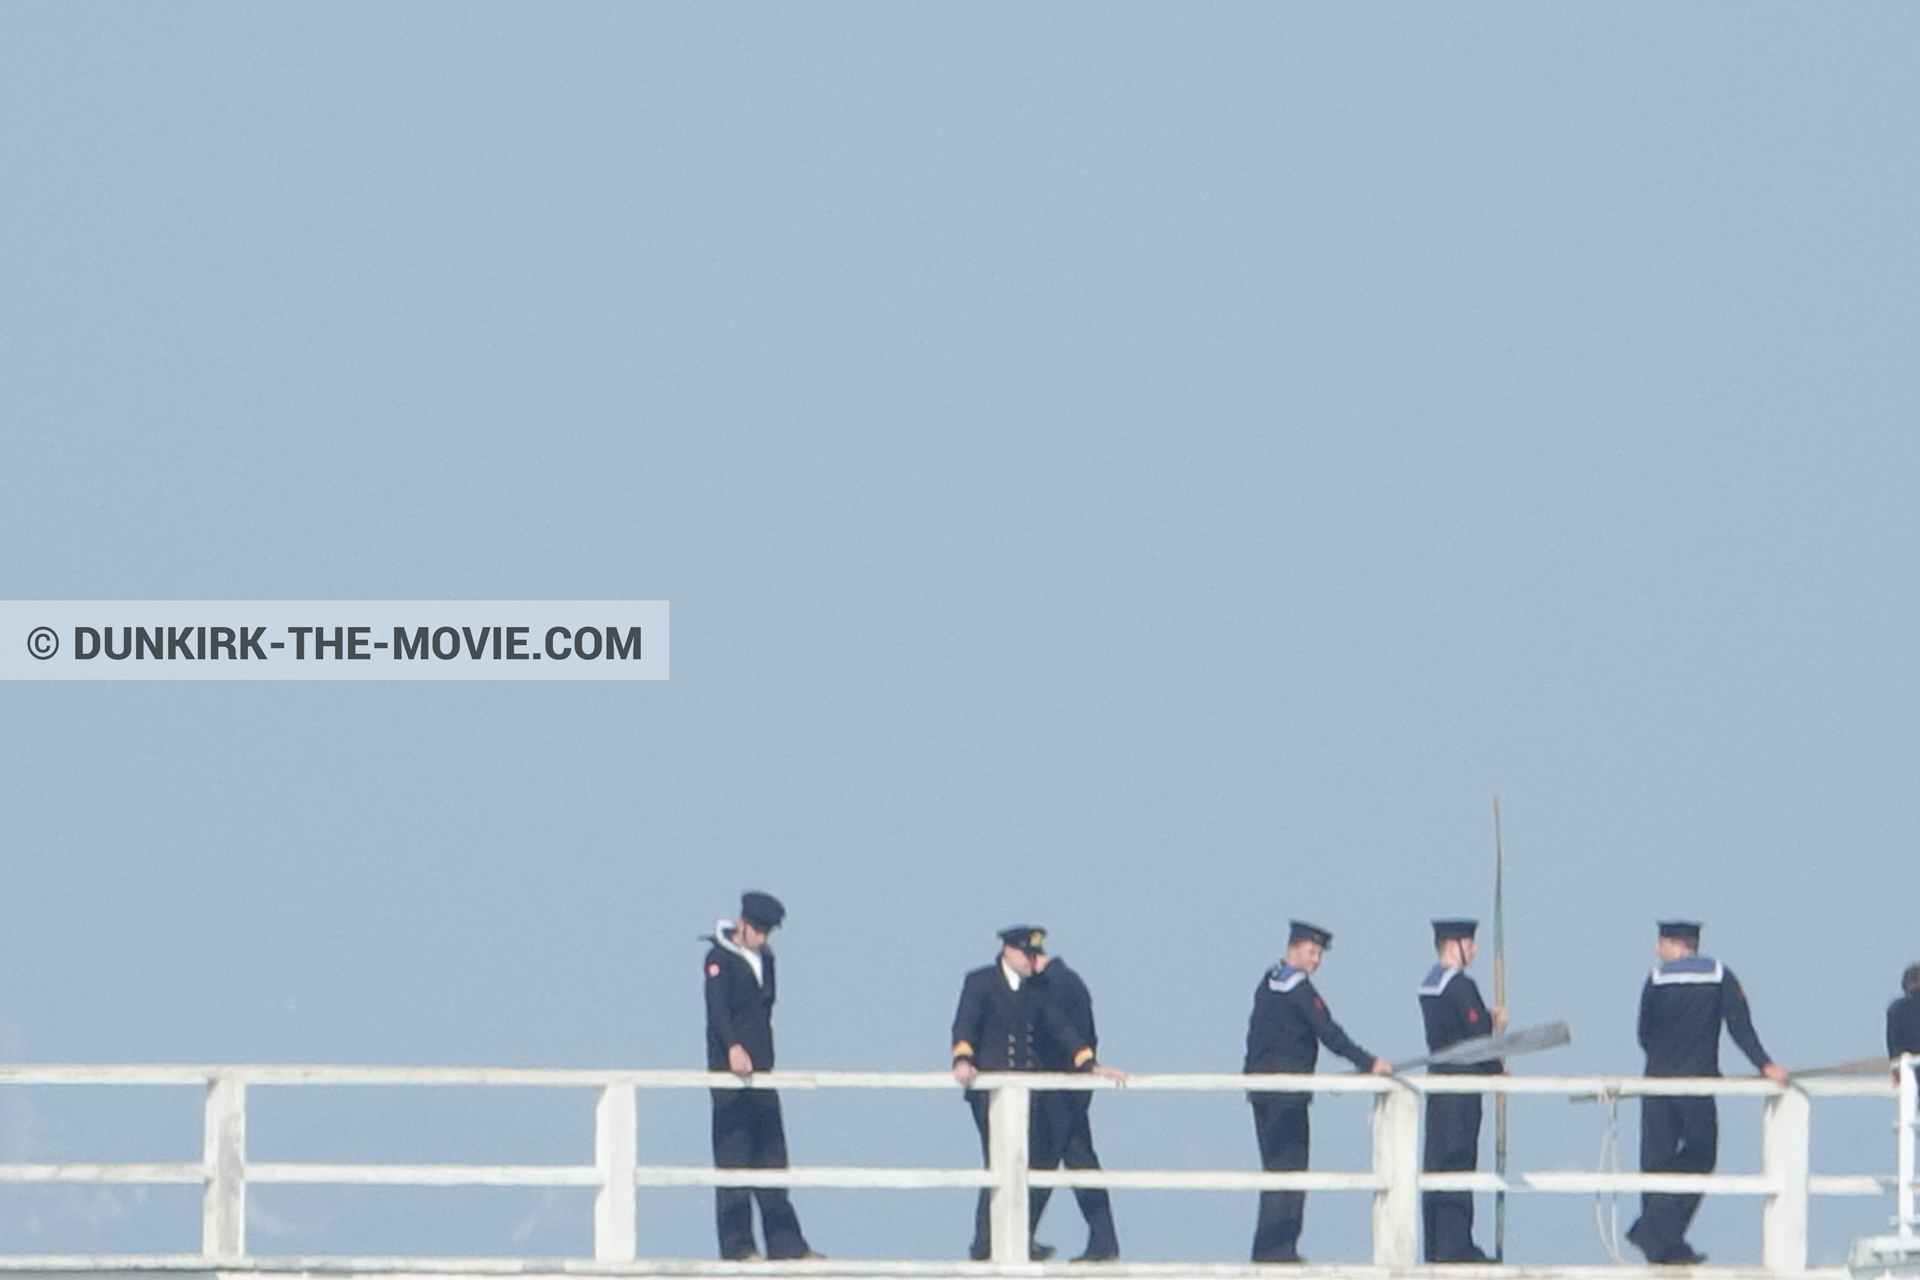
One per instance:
[(964, 1071), (1776, 1073), (1381, 1067), (739, 1061), (1114, 1074)]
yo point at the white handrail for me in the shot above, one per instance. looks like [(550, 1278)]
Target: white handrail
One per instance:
[(1395, 1179), (280, 1074)]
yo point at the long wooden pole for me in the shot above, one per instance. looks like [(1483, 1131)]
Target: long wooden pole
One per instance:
[(1500, 1000)]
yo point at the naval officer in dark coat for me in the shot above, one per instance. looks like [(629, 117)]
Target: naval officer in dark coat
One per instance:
[(1453, 1011), (1289, 1024), (747, 1130), (1008, 1022), (1682, 1007), (1070, 1112)]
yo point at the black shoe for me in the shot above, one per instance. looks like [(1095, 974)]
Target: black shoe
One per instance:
[(751, 1255), (1091, 1256), (1040, 1252), (1282, 1259), (1683, 1255)]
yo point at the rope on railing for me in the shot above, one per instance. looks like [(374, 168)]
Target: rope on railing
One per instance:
[(1606, 1204)]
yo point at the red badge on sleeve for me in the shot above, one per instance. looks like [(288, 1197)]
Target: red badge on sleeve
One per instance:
[(1473, 1015), (1319, 1004), (713, 971)]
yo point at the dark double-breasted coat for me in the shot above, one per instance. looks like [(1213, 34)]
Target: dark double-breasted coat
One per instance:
[(1005, 1022), (1002, 1027)]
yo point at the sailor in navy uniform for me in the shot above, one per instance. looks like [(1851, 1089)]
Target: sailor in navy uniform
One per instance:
[(747, 1130), (1903, 1016), (1007, 1022), (1069, 1111), (1453, 1011), (1682, 1006), (1289, 1024)]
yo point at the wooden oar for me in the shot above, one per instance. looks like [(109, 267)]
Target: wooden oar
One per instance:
[(1508, 1044), (1858, 1067)]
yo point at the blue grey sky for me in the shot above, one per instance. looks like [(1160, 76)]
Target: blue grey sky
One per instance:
[(1147, 471)]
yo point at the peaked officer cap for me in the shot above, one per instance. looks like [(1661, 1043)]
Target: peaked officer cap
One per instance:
[(1445, 930), (1027, 937), (1685, 930), (762, 910), (1301, 931)]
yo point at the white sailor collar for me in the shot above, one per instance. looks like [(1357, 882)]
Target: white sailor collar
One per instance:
[(1688, 970), (723, 938), (1284, 977), (1437, 979)]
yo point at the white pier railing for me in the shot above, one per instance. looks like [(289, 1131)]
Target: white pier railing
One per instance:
[(1394, 1180)]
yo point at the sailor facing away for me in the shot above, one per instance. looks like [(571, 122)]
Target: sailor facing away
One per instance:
[(1903, 1016), (1685, 1001), (747, 1128), (1069, 1113), (1289, 1024), (1453, 1011)]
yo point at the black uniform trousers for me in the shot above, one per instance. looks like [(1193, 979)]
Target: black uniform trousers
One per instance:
[(1280, 1124), (1069, 1115), (748, 1134), (1453, 1146), (1677, 1135), (1043, 1152)]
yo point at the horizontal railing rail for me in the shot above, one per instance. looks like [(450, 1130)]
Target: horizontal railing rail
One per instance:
[(1394, 1179)]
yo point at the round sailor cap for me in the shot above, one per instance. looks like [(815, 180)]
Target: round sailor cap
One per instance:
[(1685, 930), (1301, 931), (1447, 930), (762, 910)]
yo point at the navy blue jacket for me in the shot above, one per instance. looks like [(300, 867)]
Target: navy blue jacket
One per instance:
[(1065, 988), (1681, 1010), (1451, 1006), (739, 1007), (1289, 1024), (1903, 1025)]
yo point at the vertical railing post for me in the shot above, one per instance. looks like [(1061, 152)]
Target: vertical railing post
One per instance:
[(1785, 1135), (616, 1151), (223, 1207), (1008, 1114), (1396, 1160), (1909, 1090)]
